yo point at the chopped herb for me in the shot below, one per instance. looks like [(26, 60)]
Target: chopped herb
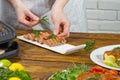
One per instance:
[(116, 48), (53, 36), (44, 19), (36, 32), (89, 45), (95, 77), (118, 62)]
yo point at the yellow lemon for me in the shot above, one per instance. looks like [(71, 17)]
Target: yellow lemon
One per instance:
[(14, 78), (16, 66), (110, 58)]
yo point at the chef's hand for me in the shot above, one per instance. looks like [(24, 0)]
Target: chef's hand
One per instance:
[(25, 16), (61, 23)]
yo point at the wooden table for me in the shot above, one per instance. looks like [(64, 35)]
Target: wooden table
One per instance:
[(41, 63)]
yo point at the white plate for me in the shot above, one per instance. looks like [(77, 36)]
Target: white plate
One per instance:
[(62, 49), (97, 56)]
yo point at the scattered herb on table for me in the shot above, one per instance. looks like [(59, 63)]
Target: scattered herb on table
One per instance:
[(89, 45)]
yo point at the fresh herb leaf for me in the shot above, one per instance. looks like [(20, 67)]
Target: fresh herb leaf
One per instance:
[(23, 75), (70, 73), (5, 74), (44, 19), (53, 36), (118, 62), (116, 48), (36, 33), (89, 45), (95, 77)]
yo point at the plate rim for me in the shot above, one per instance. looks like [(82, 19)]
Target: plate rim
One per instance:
[(93, 54)]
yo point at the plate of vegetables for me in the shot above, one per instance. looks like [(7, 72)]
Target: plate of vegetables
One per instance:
[(85, 72), (107, 56)]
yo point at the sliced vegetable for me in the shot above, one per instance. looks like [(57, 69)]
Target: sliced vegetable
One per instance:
[(97, 69), (5, 63), (110, 60)]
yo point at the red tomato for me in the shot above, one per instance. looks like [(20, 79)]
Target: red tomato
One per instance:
[(97, 69)]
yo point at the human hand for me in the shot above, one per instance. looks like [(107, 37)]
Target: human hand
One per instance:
[(24, 15), (61, 23)]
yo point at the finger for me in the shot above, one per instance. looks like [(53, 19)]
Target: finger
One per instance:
[(24, 21), (32, 16), (65, 32), (56, 29)]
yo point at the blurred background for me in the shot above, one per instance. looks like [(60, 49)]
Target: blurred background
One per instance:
[(103, 15)]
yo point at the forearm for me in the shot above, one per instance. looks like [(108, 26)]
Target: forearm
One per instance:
[(60, 4), (16, 3)]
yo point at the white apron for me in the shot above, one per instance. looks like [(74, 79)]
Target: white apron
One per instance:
[(74, 10)]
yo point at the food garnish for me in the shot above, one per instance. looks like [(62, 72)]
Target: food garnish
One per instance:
[(97, 76), (89, 45), (5, 63), (53, 36), (36, 32), (44, 20), (13, 71), (112, 57), (70, 73)]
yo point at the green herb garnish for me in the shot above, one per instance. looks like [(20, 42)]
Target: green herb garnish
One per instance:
[(53, 36), (95, 77), (36, 33), (118, 62), (89, 45), (70, 73), (5, 74), (116, 48), (44, 19)]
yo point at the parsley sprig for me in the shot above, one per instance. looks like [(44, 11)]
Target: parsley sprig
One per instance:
[(70, 73), (44, 20), (5, 74), (53, 36), (36, 32), (89, 45), (95, 77)]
